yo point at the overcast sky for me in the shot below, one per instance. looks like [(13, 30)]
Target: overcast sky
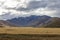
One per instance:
[(16, 8)]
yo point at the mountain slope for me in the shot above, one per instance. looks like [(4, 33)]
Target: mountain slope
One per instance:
[(53, 23), (31, 21), (6, 24)]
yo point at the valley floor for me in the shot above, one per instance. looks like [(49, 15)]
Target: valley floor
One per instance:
[(29, 30), (29, 33)]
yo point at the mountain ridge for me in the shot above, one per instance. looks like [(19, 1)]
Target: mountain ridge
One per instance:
[(32, 21)]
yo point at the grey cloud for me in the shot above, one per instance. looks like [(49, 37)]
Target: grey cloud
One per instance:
[(36, 4), (54, 4), (7, 16), (32, 5), (57, 14)]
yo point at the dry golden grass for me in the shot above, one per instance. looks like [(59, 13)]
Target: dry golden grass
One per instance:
[(29, 30), (29, 33)]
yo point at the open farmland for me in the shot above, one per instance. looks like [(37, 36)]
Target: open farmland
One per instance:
[(29, 33)]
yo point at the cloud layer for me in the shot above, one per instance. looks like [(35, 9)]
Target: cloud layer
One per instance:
[(17, 8)]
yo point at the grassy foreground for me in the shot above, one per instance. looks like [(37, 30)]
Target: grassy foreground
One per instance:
[(28, 33), (29, 30), (28, 37)]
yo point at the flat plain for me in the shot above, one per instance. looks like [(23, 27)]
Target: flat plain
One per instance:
[(29, 33), (29, 30)]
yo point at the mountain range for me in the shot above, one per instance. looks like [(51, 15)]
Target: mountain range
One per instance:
[(32, 21)]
